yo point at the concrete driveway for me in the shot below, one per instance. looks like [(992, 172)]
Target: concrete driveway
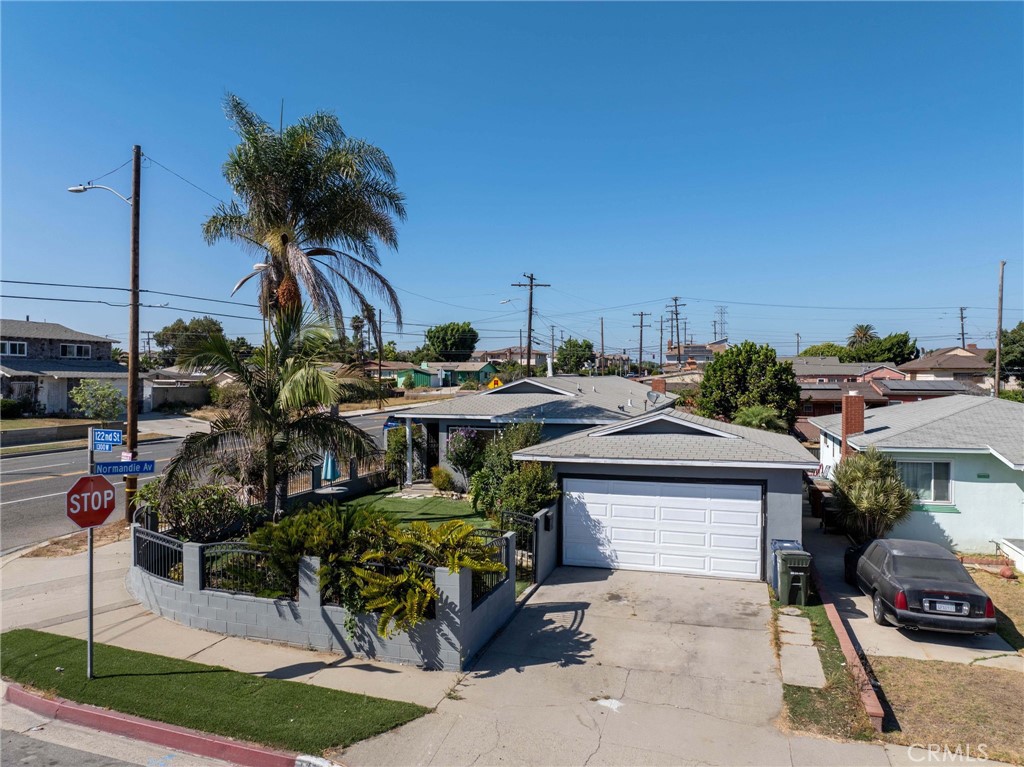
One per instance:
[(855, 608), (619, 668)]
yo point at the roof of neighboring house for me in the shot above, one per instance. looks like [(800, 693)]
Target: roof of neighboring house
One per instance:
[(389, 365), (826, 366), (572, 399), (956, 423), (174, 373), (63, 368), (834, 392), (673, 438), (951, 358), (461, 367), (926, 387), (46, 331)]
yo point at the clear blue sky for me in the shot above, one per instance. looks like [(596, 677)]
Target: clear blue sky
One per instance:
[(862, 156)]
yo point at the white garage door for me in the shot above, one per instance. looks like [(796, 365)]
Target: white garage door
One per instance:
[(674, 527)]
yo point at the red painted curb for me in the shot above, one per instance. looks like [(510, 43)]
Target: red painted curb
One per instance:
[(868, 696), (193, 741)]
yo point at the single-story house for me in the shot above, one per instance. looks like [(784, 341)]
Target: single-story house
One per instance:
[(677, 493), (898, 392), (561, 404), (457, 373), (831, 370), (172, 385), (953, 363), (515, 354), (963, 455)]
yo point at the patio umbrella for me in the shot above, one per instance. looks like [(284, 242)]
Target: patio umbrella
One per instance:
[(329, 470)]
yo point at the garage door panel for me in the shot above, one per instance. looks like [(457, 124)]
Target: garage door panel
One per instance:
[(697, 528)]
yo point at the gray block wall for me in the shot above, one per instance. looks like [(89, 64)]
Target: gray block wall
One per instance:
[(547, 542), (446, 642)]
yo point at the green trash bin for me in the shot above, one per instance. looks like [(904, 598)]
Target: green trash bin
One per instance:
[(794, 576)]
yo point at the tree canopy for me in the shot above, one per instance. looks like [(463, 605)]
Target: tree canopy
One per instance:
[(572, 355), (860, 335), (180, 340), (896, 348), (1012, 360), (453, 341), (745, 375), (827, 349)]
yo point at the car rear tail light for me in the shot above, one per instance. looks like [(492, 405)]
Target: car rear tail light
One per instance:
[(990, 609), (901, 600)]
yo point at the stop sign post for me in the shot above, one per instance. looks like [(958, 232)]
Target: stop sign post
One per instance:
[(89, 502)]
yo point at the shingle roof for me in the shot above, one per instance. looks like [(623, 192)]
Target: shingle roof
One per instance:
[(45, 331), (950, 358), (927, 387), (825, 366), (670, 438), (957, 422), (834, 392), (600, 399), (64, 368)]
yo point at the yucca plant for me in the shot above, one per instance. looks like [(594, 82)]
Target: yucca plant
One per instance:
[(870, 494)]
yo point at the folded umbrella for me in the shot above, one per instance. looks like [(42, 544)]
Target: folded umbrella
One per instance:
[(329, 470)]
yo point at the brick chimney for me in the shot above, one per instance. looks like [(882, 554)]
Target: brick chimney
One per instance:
[(853, 419), (658, 385), (972, 347), (691, 363)]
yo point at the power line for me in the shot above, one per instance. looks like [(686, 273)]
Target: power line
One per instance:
[(126, 290), (109, 172), (121, 306), (173, 173)]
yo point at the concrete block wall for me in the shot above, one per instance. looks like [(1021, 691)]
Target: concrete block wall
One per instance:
[(547, 542), (446, 642)]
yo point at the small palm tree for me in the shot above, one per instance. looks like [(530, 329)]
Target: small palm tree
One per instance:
[(870, 494), (281, 425), (314, 205), (760, 417), (861, 335)]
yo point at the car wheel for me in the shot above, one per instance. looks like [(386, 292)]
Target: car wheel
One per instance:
[(877, 611)]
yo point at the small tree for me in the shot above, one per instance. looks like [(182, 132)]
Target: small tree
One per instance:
[(870, 494), (760, 417), (572, 355), (745, 375), (465, 452), (99, 399), (409, 382), (453, 341)]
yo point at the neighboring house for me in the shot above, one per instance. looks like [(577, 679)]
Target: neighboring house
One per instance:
[(898, 392), (818, 399), (673, 492), (831, 370), (172, 385), (561, 404), (967, 365), (387, 369), (701, 354), (435, 374), (458, 373), (511, 354), (963, 455), (40, 362)]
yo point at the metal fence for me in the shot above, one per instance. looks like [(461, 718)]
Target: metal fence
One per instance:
[(525, 528), (159, 555), (239, 568), (300, 482), (485, 582)]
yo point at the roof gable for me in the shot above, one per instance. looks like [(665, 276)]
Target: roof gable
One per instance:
[(526, 386), (662, 422)]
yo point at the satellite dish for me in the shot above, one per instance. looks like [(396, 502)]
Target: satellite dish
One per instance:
[(652, 397)]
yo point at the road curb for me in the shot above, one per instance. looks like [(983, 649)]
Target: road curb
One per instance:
[(171, 736), (868, 696)]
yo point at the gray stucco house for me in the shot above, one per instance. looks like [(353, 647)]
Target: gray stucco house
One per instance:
[(561, 404), (673, 492), (40, 362)]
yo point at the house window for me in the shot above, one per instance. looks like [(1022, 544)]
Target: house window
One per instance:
[(77, 351), (930, 480), (14, 348), (968, 376), (837, 407), (808, 408)]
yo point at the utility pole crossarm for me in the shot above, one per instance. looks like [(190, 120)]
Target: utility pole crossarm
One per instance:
[(529, 317)]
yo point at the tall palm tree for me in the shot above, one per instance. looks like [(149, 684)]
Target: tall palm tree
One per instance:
[(861, 335), (281, 425), (315, 203)]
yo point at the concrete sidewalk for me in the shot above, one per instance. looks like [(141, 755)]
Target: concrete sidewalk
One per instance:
[(50, 594)]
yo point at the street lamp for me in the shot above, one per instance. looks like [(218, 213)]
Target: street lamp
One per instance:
[(131, 482)]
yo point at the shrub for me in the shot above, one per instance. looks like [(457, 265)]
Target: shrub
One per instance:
[(442, 479), (465, 452), (10, 408), (100, 400), (470, 384), (395, 454), (199, 514), (870, 494), (486, 484), (409, 382), (1014, 395), (528, 489), (227, 395)]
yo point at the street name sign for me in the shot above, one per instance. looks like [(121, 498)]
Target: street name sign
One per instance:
[(103, 439), (115, 468)]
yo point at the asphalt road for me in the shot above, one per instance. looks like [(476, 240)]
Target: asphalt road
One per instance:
[(32, 490)]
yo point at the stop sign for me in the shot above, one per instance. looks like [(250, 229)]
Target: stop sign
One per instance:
[(90, 501)]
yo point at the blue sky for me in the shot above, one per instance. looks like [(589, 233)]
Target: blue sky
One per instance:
[(770, 158)]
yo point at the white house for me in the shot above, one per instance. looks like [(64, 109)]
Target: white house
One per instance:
[(964, 456)]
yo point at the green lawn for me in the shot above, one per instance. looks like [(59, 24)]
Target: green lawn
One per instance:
[(290, 715), (12, 424), (432, 510)]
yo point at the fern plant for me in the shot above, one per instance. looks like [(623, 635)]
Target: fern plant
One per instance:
[(402, 600)]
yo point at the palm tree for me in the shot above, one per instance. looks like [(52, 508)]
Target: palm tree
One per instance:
[(281, 424), (760, 417), (861, 335), (315, 203)]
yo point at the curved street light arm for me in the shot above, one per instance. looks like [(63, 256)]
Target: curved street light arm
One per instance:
[(86, 187)]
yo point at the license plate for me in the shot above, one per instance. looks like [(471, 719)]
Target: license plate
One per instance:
[(945, 607)]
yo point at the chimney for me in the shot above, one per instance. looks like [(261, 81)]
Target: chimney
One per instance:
[(972, 347), (691, 363), (658, 385), (853, 419)]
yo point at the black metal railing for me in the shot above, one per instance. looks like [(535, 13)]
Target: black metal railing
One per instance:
[(239, 568), (525, 528), (485, 582), (159, 554), (151, 519)]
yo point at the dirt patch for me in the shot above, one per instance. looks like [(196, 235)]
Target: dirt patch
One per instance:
[(954, 705), (79, 542), (1008, 597)]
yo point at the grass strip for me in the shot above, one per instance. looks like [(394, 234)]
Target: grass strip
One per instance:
[(835, 710), (289, 715)]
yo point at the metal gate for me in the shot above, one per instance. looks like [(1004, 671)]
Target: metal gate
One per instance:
[(525, 528)]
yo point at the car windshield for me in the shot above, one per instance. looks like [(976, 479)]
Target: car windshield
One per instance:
[(927, 567)]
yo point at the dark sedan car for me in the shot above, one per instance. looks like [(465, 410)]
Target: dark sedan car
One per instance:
[(920, 585)]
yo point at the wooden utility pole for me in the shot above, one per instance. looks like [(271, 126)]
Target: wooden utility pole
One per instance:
[(999, 332), (529, 318), (963, 339), (797, 344), (661, 344), (552, 348), (602, 346), (131, 483), (380, 360), (640, 358)]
